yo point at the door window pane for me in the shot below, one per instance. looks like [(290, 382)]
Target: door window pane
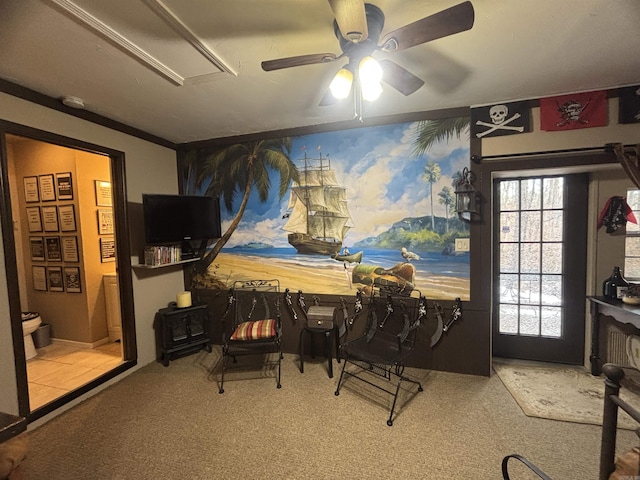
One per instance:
[(552, 221), (509, 258), (508, 319), (530, 257), (531, 191), (529, 320), (553, 193), (551, 258), (551, 322), (509, 227), (530, 227), (510, 195)]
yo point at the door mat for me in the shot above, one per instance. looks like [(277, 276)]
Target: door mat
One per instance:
[(565, 393)]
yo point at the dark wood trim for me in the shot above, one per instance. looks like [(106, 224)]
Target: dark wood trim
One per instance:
[(11, 269), (117, 166), (327, 127), (55, 104)]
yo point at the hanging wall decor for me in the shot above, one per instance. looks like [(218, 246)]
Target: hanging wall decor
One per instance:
[(64, 186), (47, 188), (576, 110), (629, 101), (54, 279), (31, 189), (500, 119)]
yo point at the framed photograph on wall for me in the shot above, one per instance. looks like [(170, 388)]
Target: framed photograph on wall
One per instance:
[(72, 280), (50, 219), (107, 249), (31, 189), (103, 193), (69, 247), (36, 245), (33, 219), (47, 188), (105, 221), (54, 279), (52, 249), (67, 215), (64, 186), (39, 278)]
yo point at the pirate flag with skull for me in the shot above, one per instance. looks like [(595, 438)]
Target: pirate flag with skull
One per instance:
[(501, 119), (577, 110)]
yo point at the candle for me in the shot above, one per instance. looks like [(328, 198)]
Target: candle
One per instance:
[(183, 299)]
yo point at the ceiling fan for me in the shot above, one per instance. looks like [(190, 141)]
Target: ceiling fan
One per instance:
[(358, 27)]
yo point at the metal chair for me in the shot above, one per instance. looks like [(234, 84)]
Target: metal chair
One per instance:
[(251, 324), (385, 345)]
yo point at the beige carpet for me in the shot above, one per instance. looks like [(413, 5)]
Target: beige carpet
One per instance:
[(560, 392)]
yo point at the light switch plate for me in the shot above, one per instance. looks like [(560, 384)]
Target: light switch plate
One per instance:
[(462, 244)]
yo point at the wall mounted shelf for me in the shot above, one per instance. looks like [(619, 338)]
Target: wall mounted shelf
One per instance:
[(162, 265)]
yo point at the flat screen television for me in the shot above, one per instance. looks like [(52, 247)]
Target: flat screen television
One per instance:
[(180, 218)]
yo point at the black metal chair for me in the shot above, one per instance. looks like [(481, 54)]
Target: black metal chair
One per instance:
[(385, 345), (251, 324)]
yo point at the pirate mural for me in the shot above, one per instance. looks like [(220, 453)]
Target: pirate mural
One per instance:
[(578, 110), (501, 119), (629, 99)]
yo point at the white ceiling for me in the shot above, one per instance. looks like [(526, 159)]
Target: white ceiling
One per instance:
[(188, 70)]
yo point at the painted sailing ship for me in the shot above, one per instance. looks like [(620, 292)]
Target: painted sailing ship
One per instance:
[(319, 217)]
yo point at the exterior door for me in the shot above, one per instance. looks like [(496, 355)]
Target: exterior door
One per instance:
[(540, 268)]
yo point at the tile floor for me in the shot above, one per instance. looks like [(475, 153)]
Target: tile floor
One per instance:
[(59, 369)]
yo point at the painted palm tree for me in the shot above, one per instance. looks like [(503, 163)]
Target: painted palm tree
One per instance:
[(432, 174), (429, 132), (238, 169), (446, 199)]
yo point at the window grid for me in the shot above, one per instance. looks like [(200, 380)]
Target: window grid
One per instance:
[(529, 303)]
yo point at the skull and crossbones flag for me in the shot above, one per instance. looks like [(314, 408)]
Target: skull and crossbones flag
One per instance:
[(500, 119), (629, 99), (577, 110)]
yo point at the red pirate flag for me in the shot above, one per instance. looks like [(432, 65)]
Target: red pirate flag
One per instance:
[(577, 110)]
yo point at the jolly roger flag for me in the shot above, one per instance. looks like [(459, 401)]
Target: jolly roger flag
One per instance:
[(629, 98), (500, 119), (578, 110)]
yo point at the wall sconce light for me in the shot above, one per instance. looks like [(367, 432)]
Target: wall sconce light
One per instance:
[(466, 196)]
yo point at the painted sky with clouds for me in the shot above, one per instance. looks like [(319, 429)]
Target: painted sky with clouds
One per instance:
[(382, 177)]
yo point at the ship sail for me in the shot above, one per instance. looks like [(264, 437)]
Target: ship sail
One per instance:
[(319, 218)]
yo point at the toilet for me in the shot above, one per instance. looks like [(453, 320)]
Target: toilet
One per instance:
[(30, 323)]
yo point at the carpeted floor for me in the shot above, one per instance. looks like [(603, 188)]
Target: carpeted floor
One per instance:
[(561, 392), (171, 423)]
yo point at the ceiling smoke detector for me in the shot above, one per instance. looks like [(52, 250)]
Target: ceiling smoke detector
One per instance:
[(73, 102)]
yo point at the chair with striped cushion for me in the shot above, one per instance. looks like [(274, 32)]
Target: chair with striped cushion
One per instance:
[(252, 326)]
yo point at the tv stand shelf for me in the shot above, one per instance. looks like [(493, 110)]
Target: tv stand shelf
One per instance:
[(161, 265)]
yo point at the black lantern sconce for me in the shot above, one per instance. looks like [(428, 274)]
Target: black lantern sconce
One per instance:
[(466, 196)]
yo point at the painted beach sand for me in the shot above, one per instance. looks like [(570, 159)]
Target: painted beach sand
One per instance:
[(324, 276)]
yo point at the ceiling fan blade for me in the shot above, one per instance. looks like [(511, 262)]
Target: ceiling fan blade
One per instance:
[(447, 22), (351, 19), (288, 62), (399, 77)]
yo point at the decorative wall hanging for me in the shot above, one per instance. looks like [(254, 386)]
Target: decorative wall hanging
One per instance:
[(72, 280), (54, 279), (47, 188), (54, 253), (36, 245), (576, 110), (103, 193), (64, 186), (70, 249), (107, 249), (34, 221), (385, 212), (105, 221), (629, 101), (500, 119), (67, 218), (39, 278), (31, 189), (50, 219)]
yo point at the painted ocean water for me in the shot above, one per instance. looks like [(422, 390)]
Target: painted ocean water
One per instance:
[(429, 264)]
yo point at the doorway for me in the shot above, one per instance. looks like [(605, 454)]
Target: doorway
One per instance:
[(64, 239), (539, 270)]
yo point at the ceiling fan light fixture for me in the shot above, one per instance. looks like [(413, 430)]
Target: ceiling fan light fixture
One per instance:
[(370, 90), (341, 84), (369, 70)]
